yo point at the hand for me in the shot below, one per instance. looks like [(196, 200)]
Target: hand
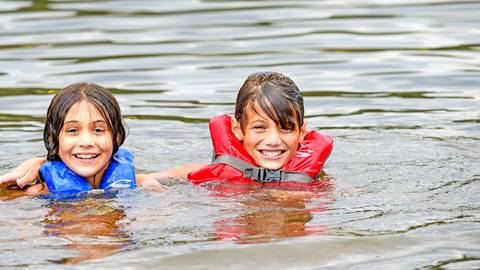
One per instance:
[(149, 182), (24, 173)]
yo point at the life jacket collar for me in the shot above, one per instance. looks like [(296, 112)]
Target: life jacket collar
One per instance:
[(62, 180)]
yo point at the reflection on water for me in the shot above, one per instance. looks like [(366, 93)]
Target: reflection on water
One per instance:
[(92, 227), (394, 82), (10, 192), (271, 215)]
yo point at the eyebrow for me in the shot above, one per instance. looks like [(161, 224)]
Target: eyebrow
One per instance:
[(75, 121), (258, 121)]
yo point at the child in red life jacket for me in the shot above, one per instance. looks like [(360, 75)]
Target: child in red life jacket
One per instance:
[(267, 141)]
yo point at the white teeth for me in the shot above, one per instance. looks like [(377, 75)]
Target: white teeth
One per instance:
[(271, 153), (85, 156)]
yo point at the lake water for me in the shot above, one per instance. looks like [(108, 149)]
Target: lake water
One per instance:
[(396, 83)]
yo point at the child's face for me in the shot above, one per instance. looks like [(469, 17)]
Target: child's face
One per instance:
[(85, 142), (270, 146)]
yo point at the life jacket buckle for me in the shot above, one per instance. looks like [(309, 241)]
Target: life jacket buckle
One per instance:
[(265, 175), (272, 175)]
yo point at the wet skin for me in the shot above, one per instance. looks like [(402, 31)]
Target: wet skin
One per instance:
[(85, 142), (269, 145)]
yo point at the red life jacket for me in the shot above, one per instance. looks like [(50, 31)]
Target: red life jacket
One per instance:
[(232, 164)]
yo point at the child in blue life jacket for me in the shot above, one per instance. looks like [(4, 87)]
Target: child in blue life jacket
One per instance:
[(83, 134), (266, 142)]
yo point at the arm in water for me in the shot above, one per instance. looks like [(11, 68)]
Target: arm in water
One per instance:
[(27, 172), (24, 173), (18, 182), (170, 175)]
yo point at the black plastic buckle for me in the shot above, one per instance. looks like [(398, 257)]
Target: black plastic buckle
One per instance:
[(265, 175)]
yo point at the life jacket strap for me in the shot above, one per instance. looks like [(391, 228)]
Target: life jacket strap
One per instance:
[(261, 174)]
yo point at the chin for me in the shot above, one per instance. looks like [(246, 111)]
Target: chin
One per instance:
[(85, 173), (271, 166)]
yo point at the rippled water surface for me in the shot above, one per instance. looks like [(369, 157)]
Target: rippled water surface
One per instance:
[(396, 83)]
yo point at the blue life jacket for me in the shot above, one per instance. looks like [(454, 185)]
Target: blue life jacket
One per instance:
[(61, 180)]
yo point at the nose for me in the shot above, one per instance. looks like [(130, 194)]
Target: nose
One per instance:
[(87, 139), (273, 138)]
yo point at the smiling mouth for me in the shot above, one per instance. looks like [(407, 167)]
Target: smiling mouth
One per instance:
[(86, 156), (272, 153)]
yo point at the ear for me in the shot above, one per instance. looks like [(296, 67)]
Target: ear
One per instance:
[(237, 129), (303, 132)]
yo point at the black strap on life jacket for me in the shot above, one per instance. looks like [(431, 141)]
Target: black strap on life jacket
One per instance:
[(260, 174)]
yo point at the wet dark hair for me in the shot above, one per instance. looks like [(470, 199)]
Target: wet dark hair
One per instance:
[(273, 93), (94, 94)]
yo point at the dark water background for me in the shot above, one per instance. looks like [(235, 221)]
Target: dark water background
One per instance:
[(396, 83)]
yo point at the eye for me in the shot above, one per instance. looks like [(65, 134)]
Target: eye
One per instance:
[(98, 130), (259, 127), (284, 130), (72, 131)]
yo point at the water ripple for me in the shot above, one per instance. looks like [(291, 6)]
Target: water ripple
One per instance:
[(395, 83)]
